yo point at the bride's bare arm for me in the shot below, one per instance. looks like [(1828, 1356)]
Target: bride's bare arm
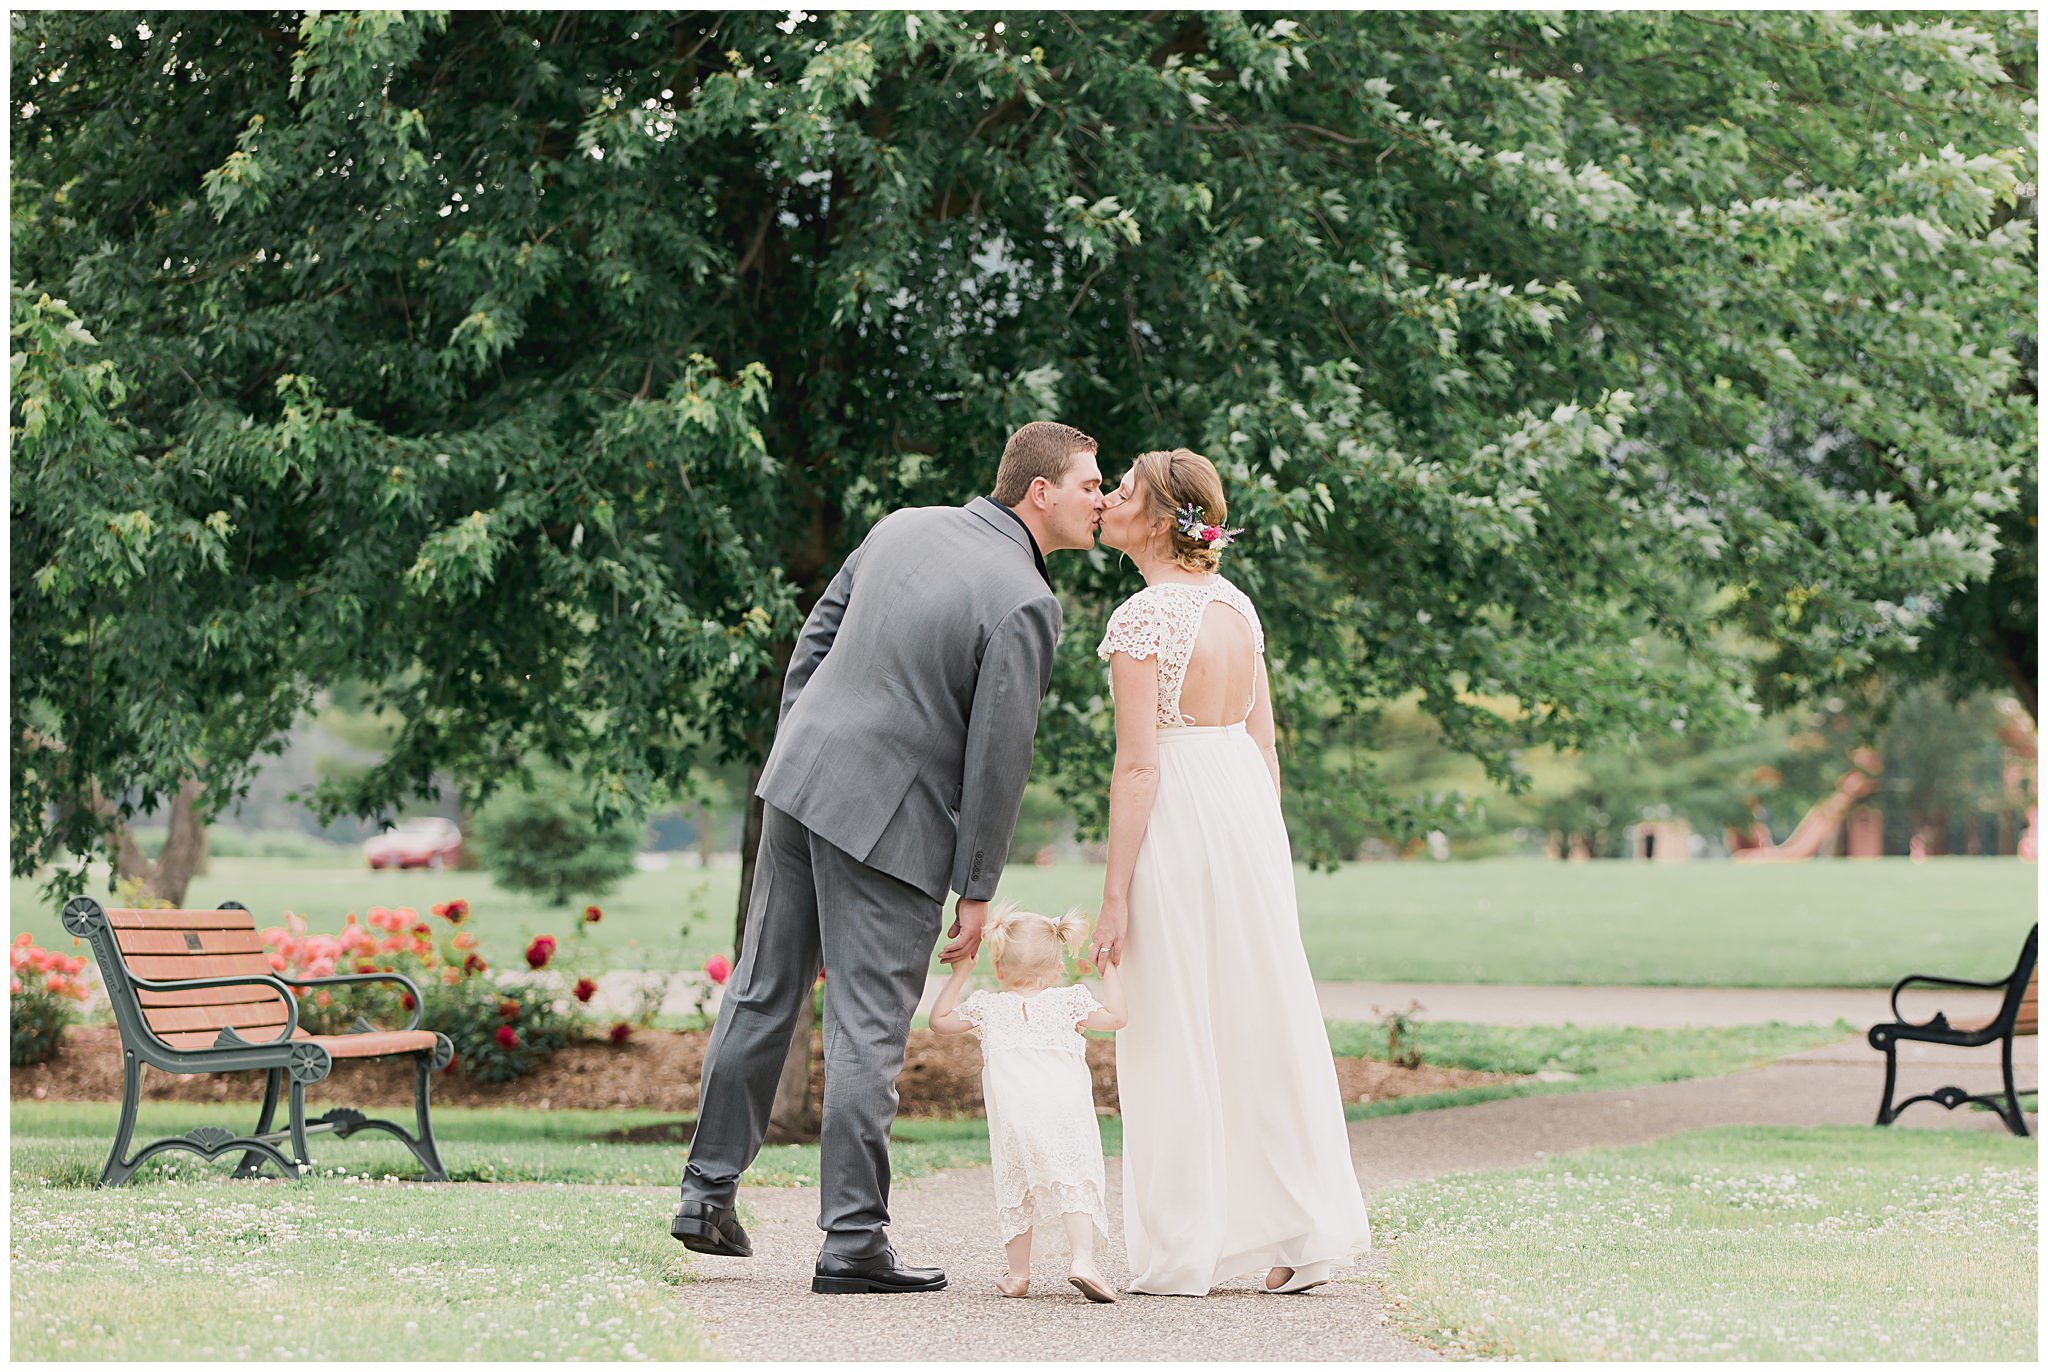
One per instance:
[(1133, 785), (1260, 725)]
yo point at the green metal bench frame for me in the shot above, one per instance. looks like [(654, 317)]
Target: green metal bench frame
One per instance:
[(302, 1062), (2000, 1029)]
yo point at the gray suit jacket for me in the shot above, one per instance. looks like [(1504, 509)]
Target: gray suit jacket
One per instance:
[(911, 701)]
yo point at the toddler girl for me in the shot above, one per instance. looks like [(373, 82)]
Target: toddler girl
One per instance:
[(1044, 1145)]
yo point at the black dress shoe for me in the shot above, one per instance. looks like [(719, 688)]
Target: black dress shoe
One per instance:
[(707, 1228), (880, 1275)]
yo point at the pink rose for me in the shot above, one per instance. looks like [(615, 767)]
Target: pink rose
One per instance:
[(717, 968)]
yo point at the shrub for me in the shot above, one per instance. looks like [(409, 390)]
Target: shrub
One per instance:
[(500, 1031), (43, 996), (546, 840)]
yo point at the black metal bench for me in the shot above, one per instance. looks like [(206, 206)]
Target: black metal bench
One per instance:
[(193, 991), (2018, 1013)]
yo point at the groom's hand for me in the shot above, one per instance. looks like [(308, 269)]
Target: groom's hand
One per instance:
[(968, 917)]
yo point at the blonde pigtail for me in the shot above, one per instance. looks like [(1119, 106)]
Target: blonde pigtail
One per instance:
[(996, 933), (1072, 930)]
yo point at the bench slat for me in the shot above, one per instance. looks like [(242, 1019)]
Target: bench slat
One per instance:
[(2028, 1020), (372, 1045), (210, 995), (185, 942), (181, 919), (205, 1038), (203, 965), (375, 1044), (173, 1019)]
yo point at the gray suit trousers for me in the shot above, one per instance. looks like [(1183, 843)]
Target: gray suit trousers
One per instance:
[(874, 934)]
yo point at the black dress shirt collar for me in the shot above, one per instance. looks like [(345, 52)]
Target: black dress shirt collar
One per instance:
[(1036, 556)]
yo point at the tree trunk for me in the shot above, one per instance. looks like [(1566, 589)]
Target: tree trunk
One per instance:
[(2018, 672), (790, 1119), (183, 856), (465, 823), (750, 848)]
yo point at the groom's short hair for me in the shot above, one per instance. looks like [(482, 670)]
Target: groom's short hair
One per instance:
[(1041, 448)]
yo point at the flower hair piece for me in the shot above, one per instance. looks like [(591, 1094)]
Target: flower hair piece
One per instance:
[(1195, 526)]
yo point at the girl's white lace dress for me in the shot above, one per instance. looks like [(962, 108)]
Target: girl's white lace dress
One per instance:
[(1236, 1157), (1044, 1145)]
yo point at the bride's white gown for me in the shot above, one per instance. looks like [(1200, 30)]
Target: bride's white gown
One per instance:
[(1236, 1157)]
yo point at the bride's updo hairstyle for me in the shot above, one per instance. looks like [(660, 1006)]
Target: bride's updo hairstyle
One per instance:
[(1026, 947), (1170, 481)]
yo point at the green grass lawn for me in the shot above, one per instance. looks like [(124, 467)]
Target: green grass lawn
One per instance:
[(64, 1143), (183, 1264), (345, 1270), (1503, 920), (570, 1263), (1726, 1244)]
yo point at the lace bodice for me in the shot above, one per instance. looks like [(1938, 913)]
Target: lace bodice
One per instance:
[(1163, 621), (1004, 1019)]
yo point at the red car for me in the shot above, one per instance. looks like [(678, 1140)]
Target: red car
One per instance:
[(415, 843)]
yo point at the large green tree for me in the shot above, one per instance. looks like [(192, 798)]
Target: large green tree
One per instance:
[(537, 370)]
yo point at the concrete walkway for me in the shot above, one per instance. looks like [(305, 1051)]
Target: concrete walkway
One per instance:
[(1646, 1007), (1643, 1007), (762, 1308)]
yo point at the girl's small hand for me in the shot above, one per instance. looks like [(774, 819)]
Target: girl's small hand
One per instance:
[(964, 968)]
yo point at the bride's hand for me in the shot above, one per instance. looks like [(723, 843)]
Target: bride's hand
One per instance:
[(1110, 927)]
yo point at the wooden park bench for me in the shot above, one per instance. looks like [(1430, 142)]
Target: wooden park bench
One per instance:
[(193, 991), (2017, 1014)]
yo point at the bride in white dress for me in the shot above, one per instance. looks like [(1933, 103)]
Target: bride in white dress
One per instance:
[(1236, 1158)]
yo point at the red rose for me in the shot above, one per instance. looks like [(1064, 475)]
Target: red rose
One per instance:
[(591, 914), (539, 951), (585, 989), (1210, 533), (621, 1032), (405, 1000), (508, 1009), (717, 968), (454, 911), (474, 964), (505, 1037)]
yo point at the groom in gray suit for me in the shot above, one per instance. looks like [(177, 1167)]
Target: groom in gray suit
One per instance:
[(897, 770)]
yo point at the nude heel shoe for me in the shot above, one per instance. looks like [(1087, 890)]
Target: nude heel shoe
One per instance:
[(1294, 1285), (1013, 1286), (1093, 1290)]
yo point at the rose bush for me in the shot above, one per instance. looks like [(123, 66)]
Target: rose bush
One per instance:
[(43, 992), (500, 1030)]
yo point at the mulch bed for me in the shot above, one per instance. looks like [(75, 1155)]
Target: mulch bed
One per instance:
[(656, 1069)]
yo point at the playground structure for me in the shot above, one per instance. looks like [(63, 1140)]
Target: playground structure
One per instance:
[(1817, 831), (1850, 821)]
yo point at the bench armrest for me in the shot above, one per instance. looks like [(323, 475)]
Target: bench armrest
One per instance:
[(1904, 982), (419, 1003), (277, 984)]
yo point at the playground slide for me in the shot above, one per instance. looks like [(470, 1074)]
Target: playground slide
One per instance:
[(1817, 829)]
